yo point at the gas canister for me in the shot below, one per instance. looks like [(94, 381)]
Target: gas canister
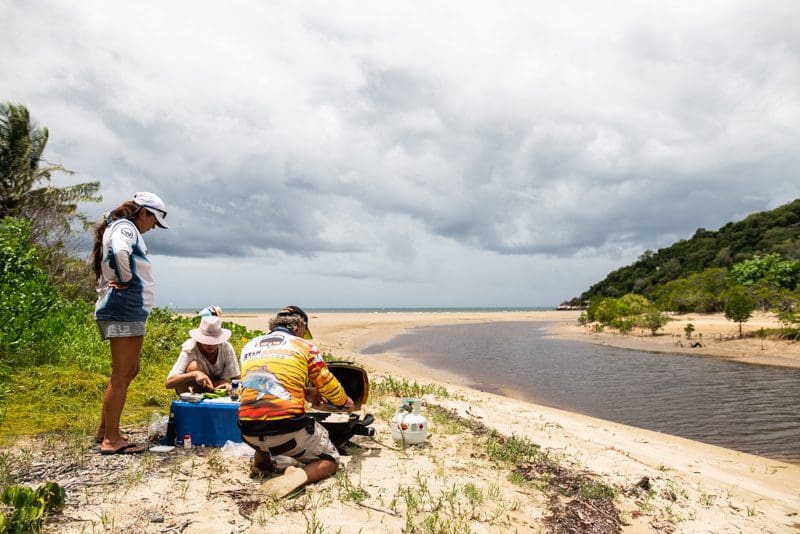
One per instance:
[(409, 426)]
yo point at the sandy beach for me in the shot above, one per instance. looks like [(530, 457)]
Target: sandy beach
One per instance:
[(713, 336), (663, 483), (605, 447)]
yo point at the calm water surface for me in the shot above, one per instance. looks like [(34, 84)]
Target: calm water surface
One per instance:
[(749, 408)]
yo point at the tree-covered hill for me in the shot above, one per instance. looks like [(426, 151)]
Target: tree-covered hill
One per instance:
[(775, 231)]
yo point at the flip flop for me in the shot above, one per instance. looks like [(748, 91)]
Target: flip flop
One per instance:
[(279, 487), (99, 439), (129, 448)]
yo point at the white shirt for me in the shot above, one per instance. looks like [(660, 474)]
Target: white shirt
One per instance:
[(124, 261), (226, 366)]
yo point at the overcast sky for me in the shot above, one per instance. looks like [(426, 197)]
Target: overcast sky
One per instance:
[(371, 154)]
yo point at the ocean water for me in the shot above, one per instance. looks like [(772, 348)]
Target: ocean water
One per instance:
[(755, 409)]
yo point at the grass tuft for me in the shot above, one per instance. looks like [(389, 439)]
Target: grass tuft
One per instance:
[(390, 386), (512, 450)]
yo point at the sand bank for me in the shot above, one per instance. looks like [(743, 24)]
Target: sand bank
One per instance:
[(750, 493), (713, 336)]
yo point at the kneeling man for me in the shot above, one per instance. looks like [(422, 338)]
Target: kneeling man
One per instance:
[(272, 417)]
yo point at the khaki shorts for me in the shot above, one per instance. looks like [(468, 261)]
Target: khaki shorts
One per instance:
[(300, 445)]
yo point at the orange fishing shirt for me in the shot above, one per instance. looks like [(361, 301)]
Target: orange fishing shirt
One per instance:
[(275, 369)]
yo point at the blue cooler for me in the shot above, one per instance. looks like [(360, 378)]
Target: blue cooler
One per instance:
[(208, 423)]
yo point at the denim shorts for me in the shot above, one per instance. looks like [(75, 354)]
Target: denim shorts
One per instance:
[(109, 329)]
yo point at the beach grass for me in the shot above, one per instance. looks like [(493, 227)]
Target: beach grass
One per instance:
[(405, 388), (64, 392), (445, 505)]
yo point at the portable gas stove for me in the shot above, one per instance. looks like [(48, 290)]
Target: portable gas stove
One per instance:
[(342, 426)]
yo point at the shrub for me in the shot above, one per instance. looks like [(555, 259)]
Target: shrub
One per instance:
[(624, 324), (688, 329), (635, 304), (739, 307), (654, 320), (29, 508), (611, 309), (770, 269), (34, 316)]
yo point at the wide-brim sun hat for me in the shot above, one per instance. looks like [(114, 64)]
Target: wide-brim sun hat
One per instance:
[(153, 204), (210, 331)]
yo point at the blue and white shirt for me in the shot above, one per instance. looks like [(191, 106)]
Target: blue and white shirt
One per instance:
[(124, 261)]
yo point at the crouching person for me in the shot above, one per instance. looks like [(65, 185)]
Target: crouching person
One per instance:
[(272, 418), (207, 361)]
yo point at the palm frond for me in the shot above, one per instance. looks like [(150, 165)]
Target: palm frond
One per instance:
[(23, 168)]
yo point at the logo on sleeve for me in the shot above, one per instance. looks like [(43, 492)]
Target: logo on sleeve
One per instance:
[(127, 232)]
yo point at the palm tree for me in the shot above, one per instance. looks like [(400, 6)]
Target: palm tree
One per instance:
[(52, 210)]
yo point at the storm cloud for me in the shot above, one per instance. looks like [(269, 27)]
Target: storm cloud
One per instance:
[(414, 154)]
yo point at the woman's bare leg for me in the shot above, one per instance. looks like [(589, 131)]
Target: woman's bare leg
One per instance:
[(125, 355)]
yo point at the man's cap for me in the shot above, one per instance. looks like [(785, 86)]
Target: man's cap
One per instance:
[(152, 203), (295, 310)]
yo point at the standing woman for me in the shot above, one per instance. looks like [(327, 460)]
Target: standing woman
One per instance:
[(125, 295)]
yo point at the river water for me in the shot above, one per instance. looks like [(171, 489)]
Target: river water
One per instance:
[(754, 409)]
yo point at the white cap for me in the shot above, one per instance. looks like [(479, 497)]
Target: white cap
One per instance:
[(152, 203)]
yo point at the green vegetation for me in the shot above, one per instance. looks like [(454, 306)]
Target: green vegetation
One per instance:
[(770, 270), (702, 292), (688, 330), (451, 509), (511, 450), (347, 490), (32, 312), (739, 308), (27, 508), (60, 384), (52, 210), (744, 266), (766, 233), (54, 368), (626, 313), (391, 386), (53, 365)]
